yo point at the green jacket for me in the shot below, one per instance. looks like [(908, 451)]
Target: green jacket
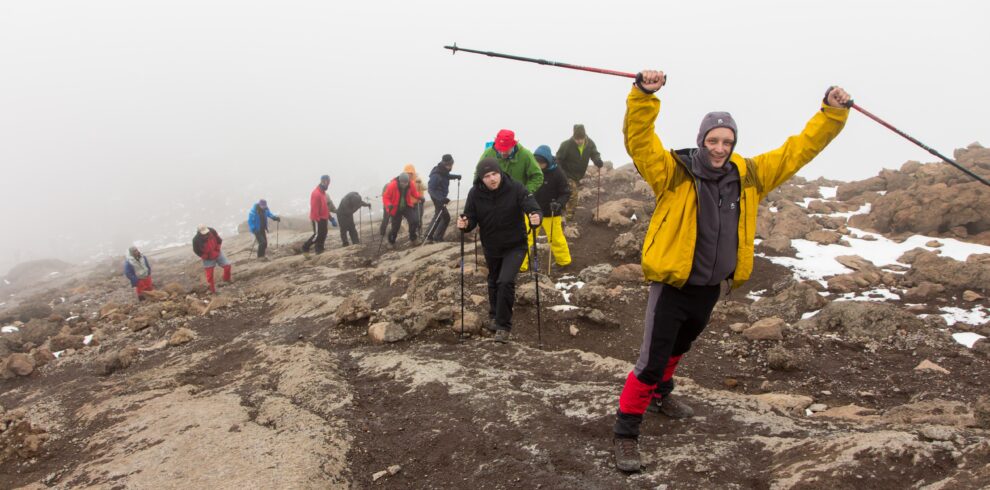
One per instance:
[(522, 167), (573, 161), (668, 250)]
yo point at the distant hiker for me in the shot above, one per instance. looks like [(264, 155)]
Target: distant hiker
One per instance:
[(552, 196), (319, 213), (497, 204), (348, 205), (138, 270), (258, 224), (399, 198), (421, 189), (572, 157), (700, 235), (332, 209), (439, 189), (515, 160), (206, 245)]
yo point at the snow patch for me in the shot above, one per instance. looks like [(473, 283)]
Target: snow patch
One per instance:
[(809, 314), (564, 308), (9, 329), (87, 339), (976, 316), (871, 295), (755, 295), (967, 338), (828, 192)]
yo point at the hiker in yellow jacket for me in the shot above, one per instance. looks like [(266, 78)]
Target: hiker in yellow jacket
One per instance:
[(701, 234)]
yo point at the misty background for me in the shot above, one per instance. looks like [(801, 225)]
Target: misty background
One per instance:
[(132, 121)]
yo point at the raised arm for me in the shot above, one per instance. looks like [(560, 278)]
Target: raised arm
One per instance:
[(773, 168), (652, 161)]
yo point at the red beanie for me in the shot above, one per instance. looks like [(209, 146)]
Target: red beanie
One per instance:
[(505, 140)]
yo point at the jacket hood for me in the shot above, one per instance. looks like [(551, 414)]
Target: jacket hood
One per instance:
[(544, 152)]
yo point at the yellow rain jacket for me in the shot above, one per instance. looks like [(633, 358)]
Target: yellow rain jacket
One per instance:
[(668, 250)]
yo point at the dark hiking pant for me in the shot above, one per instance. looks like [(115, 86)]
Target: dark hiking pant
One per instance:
[(319, 238), (502, 271), (441, 218), (412, 221), (346, 222), (262, 237), (674, 319)]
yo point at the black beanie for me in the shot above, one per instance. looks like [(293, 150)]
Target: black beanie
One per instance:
[(447, 159), (488, 165)]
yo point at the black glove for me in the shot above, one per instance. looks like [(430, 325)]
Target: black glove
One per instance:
[(277, 218), (366, 204), (446, 201), (599, 164), (455, 176)]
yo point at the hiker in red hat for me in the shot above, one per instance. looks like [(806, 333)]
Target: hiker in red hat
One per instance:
[(515, 160)]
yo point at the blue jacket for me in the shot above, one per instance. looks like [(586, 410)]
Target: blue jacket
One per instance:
[(439, 184), (129, 270), (256, 222)]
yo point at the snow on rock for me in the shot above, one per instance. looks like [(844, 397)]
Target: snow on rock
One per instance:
[(564, 308), (9, 329), (879, 294), (967, 338), (976, 316)]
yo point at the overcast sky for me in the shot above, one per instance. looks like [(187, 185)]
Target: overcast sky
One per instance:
[(123, 121)]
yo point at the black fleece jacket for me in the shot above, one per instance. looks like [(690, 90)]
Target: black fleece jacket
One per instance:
[(499, 214)]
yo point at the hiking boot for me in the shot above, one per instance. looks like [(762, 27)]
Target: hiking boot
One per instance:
[(627, 455), (671, 407), (502, 336)]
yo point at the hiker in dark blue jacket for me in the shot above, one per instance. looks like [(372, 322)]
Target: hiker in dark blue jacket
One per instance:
[(439, 189), (258, 224)]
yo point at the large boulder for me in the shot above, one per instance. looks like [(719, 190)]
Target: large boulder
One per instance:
[(973, 274), (867, 321), (386, 332), (620, 212), (17, 365)]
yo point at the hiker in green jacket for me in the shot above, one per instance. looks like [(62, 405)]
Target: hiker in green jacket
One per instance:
[(572, 157), (517, 162)]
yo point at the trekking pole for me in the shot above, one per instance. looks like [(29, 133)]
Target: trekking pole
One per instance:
[(553, 204), (381, 239), (461, 337), (475, 250), (360, 224), (276, 234), (915, 141), (536, 283), (598, 201), (637, 76), (433, 227)]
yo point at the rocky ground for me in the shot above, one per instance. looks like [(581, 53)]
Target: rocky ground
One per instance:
[(348, 369)]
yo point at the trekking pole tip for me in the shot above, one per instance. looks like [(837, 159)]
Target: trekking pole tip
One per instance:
[(453, 48)]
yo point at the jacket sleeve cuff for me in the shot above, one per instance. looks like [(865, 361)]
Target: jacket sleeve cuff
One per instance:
[(837, 113), (636, 94)]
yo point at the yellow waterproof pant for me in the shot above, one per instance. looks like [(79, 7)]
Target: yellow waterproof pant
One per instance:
[(558, 242)]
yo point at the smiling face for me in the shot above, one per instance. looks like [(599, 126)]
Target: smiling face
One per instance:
[(719, 143)]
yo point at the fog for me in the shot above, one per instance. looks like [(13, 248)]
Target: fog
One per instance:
[(132, 121)]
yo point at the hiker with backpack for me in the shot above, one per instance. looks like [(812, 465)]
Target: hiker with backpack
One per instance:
[(399, 199), (499, 206), (345, 212), (258, 224), (439, 189), (206, 246), (515, 160), (701, 235), (552, 196)]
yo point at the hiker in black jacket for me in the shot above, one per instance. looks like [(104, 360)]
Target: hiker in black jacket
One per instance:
[(573, 156), (496, 204), (439, 189), (345, 215)]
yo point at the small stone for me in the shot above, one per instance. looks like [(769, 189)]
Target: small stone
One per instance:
[(181, 336), (971, 296), (826, 393), (738, 327), (574, 330), (730, 382), (933, 244), (927, 365), (937, 433), (378, 476), (394, 469), (386, 332), (818, 407), (478, 299), (766, 329)]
